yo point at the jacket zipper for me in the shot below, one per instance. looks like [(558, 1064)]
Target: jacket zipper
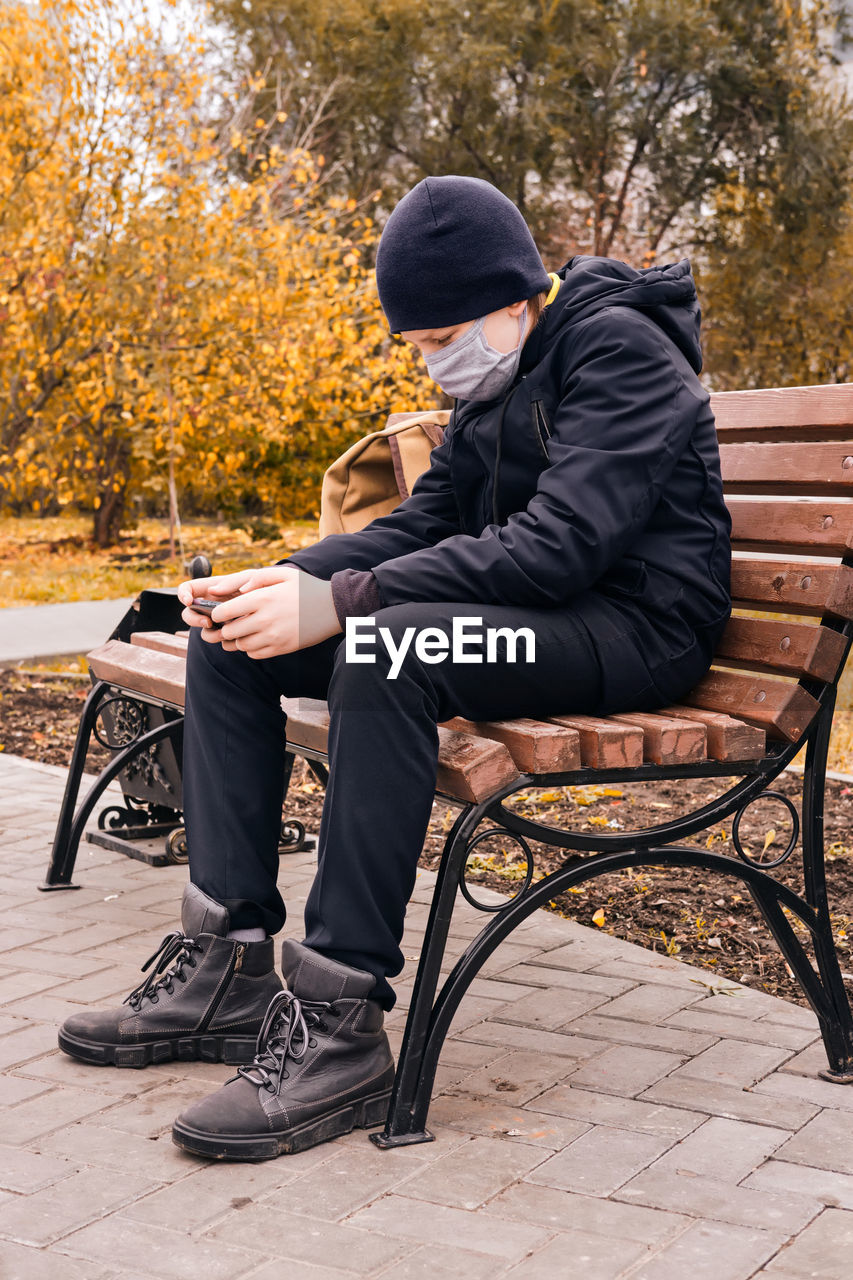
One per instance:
[(234, 966), (540, 427)]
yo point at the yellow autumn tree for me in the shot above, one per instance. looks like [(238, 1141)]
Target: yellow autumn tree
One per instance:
[(778, 255), (777, 303), (168, 327)]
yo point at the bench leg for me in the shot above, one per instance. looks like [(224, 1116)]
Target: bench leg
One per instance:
[(63, 855), (71, 825), (837, 1027), (820, 981), (320, 772), (416, 1065)]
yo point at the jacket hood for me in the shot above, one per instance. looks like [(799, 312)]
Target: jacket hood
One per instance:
[(666, 294)]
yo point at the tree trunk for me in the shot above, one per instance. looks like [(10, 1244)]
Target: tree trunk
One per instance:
[(108, 517)]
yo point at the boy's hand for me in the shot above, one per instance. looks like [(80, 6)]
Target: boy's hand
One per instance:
[(225, 586), (268, 612)]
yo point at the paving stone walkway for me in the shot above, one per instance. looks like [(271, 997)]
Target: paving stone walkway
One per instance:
[(39, 631), (603, 1113)]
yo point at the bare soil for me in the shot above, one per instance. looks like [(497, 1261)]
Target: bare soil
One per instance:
[(707, 920)]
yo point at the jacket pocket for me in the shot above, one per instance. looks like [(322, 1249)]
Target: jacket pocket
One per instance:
[(626, 580), (541, 427)]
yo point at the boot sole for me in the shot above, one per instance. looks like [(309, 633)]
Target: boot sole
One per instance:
[(367, 1113), (232, 1050)]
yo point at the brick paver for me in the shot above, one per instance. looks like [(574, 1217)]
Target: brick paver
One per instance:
[(713, 1251), (600, 1161), (823, 1250), (621, 1113), (822, 1184), (490, 1118), (601, 1112), (725, 1149), (719, 1200), (826, 1142), (580, 1253), (552, 1207), (721, 1099), (721, 1023)]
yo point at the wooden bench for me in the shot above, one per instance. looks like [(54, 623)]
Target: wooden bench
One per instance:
[(787, 459)]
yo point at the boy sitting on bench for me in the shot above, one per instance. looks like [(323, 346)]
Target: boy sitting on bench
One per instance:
[(576, 497)]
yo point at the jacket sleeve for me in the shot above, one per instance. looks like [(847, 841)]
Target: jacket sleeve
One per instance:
[(426, 517), (625, 415)]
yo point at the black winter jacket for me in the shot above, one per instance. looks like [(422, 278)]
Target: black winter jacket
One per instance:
[(598, 471)]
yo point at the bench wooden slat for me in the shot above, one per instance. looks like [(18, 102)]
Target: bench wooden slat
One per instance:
[(728, 739), (788, 468), (781, 586), (794, 648), (162, 642), (802, 528), (145, 671), (666, 740), (784, 412), (783, 710), (535, 745), (604, 743), (469, 768), (307, 722)]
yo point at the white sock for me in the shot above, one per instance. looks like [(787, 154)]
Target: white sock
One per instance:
[(247, 935)]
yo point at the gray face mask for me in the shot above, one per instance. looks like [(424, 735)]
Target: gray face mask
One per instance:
[(470, 369)]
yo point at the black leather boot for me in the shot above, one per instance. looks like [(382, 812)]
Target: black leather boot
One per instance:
[(323, 1067), (205, 998)]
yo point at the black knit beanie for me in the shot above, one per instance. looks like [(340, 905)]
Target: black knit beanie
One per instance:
[(455, 249)]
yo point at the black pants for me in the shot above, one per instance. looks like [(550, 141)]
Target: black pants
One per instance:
[(382, 753)]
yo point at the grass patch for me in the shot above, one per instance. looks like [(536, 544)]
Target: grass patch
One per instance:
[(52, 560)]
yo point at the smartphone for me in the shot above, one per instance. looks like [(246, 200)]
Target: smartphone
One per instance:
[(206, 607)]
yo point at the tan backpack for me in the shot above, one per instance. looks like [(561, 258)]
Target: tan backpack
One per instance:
[(378, 472)]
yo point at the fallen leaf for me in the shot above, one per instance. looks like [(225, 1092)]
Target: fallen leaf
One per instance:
[(598, 918)]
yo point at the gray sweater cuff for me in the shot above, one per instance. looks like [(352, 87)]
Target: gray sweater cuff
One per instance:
[(355, 593)]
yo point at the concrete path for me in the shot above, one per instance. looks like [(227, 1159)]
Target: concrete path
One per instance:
[(43, 631), (601, 1113)]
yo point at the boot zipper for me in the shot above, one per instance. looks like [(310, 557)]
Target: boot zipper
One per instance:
[(234, 965)]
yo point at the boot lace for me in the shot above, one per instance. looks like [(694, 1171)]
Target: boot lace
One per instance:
[(285, 1036), (176, 951)]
